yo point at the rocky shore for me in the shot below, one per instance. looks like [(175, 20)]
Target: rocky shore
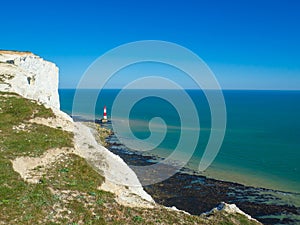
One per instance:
[(196, 194)]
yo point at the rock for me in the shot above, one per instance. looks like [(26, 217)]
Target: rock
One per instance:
[(30, 76), (228, 208)]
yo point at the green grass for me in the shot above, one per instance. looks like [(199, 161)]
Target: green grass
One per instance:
[(34, 139), (73, 174), (19, 200), (15, 110), (68, 191)]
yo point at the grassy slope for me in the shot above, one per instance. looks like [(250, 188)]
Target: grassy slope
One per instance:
[(68, 191)]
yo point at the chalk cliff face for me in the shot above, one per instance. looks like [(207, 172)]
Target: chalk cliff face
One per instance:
[(30, 76)]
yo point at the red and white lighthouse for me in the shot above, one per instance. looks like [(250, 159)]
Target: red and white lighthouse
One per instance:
[(104, 113), (104, 119)]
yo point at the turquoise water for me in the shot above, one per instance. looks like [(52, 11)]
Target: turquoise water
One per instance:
[(262, 142)]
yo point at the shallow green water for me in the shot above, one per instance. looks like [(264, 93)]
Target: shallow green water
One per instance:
[(262, 142)]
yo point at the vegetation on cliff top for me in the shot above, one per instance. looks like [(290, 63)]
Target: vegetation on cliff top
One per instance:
[(16, 52), (68, 191)]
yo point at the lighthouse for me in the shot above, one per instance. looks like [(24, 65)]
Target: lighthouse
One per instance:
[(104, 119)]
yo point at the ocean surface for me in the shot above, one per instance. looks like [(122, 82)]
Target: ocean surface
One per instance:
[(261, 147)]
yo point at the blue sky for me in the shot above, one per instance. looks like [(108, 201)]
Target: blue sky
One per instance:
[(248, 44)]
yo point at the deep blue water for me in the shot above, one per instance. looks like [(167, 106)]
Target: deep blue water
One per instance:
[(262, 141)]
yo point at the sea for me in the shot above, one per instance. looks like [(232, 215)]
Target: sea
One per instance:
[(261, 145)]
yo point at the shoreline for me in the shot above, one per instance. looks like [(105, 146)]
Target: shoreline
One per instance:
[(196, 193), (210, 174)]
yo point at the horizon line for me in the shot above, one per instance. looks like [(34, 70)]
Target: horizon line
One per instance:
[(223, 89)]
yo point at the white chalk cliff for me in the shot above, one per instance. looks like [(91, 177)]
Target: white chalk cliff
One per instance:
[(30, 76)]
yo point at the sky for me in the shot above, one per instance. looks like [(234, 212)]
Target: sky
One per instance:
[(247, 44)]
